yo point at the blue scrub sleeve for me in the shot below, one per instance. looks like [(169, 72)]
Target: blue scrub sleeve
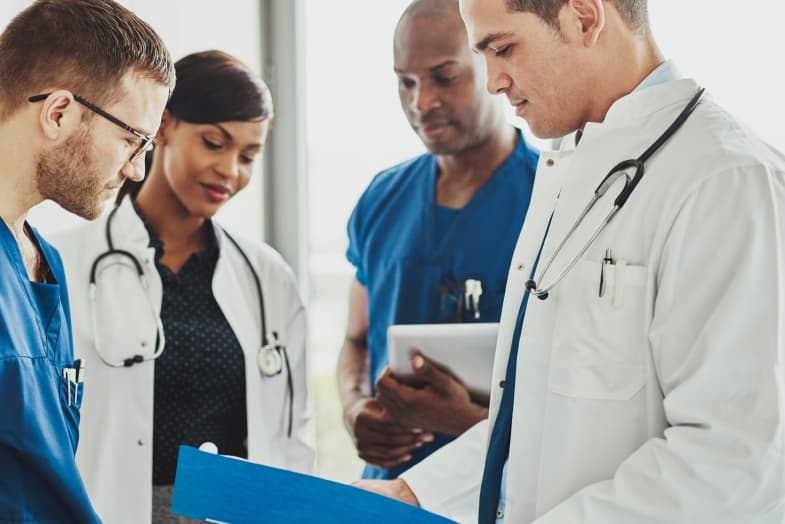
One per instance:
[(356, 243), (39, 480)]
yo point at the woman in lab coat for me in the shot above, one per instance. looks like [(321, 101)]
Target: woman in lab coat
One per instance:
[(171, 323)]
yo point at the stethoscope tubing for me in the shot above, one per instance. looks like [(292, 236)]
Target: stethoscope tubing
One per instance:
[(160, 338), (542, 291)]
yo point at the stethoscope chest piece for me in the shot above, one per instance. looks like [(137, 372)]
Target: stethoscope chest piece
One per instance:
[(269, 360)]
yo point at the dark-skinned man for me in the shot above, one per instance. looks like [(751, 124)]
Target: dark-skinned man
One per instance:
[(421, 231)]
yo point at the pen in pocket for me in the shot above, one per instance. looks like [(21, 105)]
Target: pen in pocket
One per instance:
[(608, 260)]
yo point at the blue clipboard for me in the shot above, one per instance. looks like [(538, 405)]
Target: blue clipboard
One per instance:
[(223, 489)]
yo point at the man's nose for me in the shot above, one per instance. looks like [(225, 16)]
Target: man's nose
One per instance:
[(134, 169), (425, 99), (498, 80)]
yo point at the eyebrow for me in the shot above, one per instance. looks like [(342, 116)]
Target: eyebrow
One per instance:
[(483, 44), (432, 69), (228, 136)]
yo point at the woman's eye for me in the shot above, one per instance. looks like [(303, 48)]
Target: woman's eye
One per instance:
[(211, 145), (245, 159), (406, 82)]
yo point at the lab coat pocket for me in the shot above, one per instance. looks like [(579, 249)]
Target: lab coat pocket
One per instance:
[(600, 332)]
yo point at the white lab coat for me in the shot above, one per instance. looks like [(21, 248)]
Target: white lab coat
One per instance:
[(115, 448), (662, 402)]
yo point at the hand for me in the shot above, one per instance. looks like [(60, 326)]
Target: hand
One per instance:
[(378, 438), (396, 489), (442, 405)]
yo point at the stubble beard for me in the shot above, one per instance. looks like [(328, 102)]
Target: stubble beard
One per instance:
[(67, 175)]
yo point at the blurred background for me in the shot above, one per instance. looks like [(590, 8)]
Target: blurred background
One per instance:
[(338, 122)]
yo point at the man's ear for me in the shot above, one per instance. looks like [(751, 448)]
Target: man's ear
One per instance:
[(584, 19), (59, 114)]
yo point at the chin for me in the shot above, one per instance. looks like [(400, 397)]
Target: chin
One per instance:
[(443, 148), (86, 212), (205, 210)]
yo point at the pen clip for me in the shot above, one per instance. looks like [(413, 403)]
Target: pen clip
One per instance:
[(606, 261)]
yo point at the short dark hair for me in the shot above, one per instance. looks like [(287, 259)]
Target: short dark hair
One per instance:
[(213, 86), (634, 12), (85, 46)]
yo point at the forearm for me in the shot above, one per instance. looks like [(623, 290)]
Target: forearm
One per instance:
[(353, 372)]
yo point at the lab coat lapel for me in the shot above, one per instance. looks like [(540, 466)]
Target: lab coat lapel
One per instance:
[(242, 312), (128, 232), (547, 184)]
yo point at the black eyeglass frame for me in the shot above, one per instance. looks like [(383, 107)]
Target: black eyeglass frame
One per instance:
[(146, 140)]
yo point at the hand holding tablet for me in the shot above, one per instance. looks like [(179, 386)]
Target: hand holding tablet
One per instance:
[(465, 351)]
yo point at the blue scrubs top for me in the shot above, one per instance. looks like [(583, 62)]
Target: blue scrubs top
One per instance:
[(413, 256), (39, 481)]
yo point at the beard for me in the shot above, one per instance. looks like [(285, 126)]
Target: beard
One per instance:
[(67, 174)]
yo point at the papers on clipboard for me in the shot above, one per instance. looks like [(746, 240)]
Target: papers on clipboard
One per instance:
[(223, 489)]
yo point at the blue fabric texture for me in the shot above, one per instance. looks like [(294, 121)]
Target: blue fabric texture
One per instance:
[(230, 490), (39, 481), (414, 256), (499, 445)]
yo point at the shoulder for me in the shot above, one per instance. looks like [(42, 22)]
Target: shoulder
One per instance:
[(262, 257), (720, 144), (393, 178)]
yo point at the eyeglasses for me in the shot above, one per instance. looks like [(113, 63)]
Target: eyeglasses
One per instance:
[(146, 141)]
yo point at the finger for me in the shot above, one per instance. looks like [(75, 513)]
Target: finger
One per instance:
[(390, 439), (428, 372), (387, 452), (387, 423), (395, 394), (385, 461), (386, 383)]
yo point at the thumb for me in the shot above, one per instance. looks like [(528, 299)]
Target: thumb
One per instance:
[(426, 371)]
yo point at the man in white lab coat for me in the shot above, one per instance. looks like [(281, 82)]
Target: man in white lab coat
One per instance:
[(648, 386)]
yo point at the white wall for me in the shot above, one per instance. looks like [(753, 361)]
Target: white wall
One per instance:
[(735, 50)]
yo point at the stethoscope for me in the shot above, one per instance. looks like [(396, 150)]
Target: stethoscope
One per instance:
[(270, 358), (629, 185)]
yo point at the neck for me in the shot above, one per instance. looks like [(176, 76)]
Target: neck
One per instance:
[(462, 175), (634, 58), (18, 187), (479, 162), (177, 228)]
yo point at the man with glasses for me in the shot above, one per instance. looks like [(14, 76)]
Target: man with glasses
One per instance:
[(426, 235), (83, 84), (144, 142)]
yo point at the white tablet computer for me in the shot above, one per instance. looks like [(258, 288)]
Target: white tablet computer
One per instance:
[(464, 350)]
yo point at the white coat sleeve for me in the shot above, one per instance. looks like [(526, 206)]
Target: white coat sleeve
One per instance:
[(717, 338), (448, 481), (300, 449)]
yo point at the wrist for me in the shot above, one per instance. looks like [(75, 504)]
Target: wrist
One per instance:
[(350, 409), (473, 414)]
